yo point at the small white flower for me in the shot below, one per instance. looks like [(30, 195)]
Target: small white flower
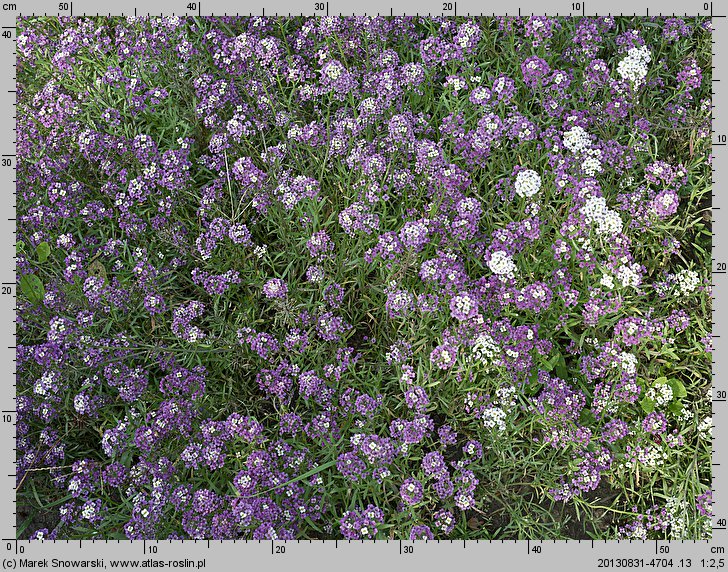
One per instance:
[(629, 363), (494, 418), (607, 281), (687, 281), (705, 428), (592, 164), (596, 211), (629, 275), (485, 349), (576, 139), (528, 183), (660, 394), (502, 264), (634, 67)]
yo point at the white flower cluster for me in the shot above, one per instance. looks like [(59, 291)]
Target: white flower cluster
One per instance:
[(607, 281), (596, 211), (633, 68), (456, 83), (506, 396), (705, 428), (502, 264), (528, 183), (485, 349), (626, 182), (687, 281), (661, 394), (592, 163), (629, 362), (677, 517), (650, 457), (684, 415), (494, 418), (629, 275), (576, 139)]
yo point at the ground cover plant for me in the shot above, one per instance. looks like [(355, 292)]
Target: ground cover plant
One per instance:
[(364, 278)]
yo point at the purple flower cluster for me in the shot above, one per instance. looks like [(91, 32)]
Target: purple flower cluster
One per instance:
[(358, 524)]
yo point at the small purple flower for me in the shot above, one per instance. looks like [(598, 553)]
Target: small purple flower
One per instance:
[(334, 295), (355, 525), (704, 503), (399, 302), (433, 464), (319, 245), (536, 297), (91, 511), (275, 288), (614, 430), (421, 532), (330, 327), (351, 466), (239, 234), (416, 398), (443, 356), (245, 483), (655, 423), (444, 488), (411, 491), (534, 70), (665, 203), (480, 96), (691, 75), (444, 521), (40, 534), (473, 449), (314, 274), (247, 174), (154, 303), (463, 306), (464, 500), (414, 234), (447, 435)]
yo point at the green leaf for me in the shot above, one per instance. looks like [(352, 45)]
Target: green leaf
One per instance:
[(660, 380), (561, 370), (547, 364), (648, 405), (675, 407), (533, 385), (678, 389), (669, 352), (32, 287), (574, 463), (586, 417), (43, 250)]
